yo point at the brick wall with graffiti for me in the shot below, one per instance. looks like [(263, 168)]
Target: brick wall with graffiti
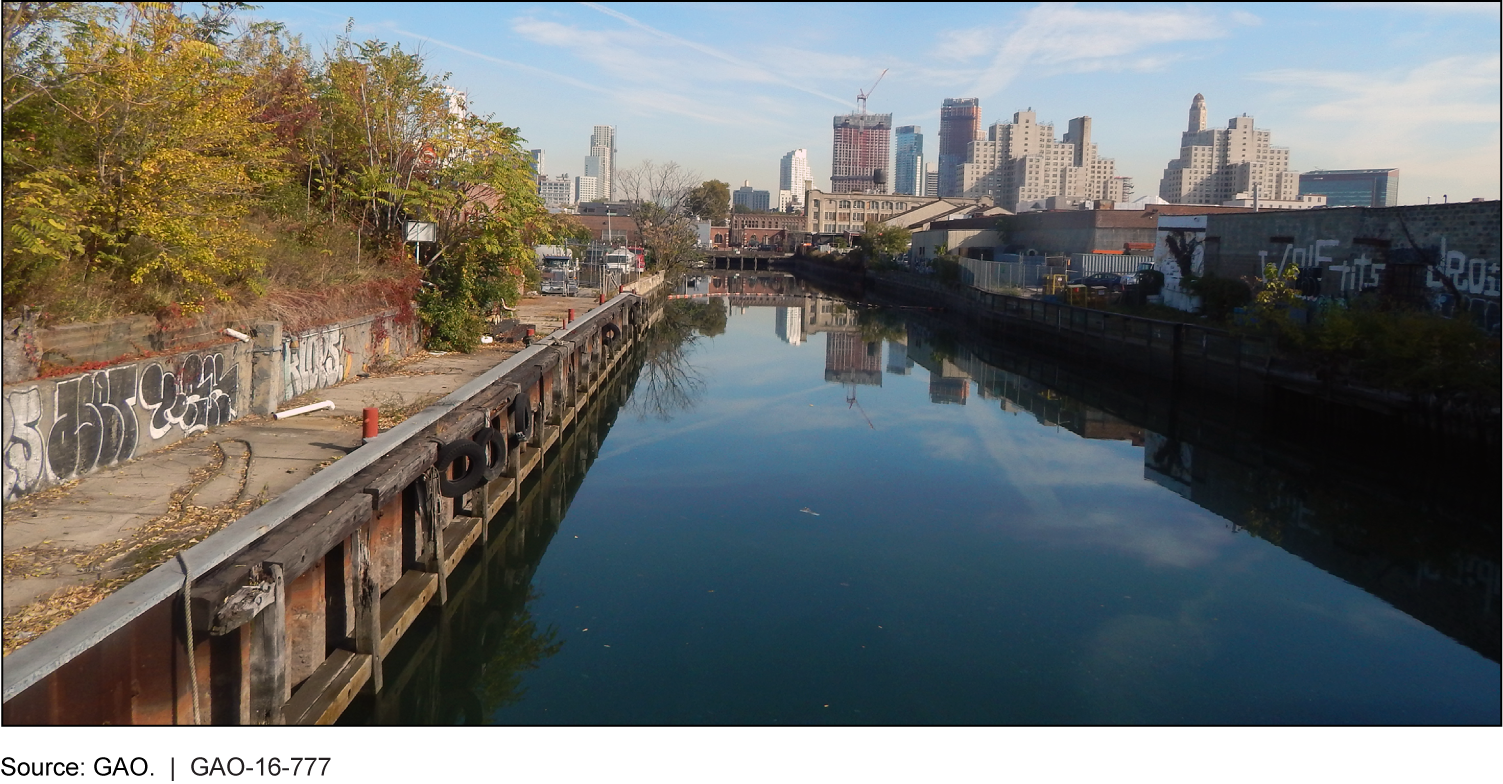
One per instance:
[(57, 429), (1443, 255)]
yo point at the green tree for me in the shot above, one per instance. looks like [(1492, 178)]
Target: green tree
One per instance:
[(710, 200), (483, 199), (881, 242)]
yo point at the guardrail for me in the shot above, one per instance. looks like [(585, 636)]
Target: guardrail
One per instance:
[(284, 615)]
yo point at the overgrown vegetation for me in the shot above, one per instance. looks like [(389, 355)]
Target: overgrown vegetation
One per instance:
[(165, 158)]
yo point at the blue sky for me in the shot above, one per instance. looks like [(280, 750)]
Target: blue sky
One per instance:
[(726, 89)]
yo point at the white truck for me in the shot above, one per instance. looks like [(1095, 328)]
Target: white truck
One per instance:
[(560, 270)]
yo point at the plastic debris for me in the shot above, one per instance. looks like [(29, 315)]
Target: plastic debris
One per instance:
[(807, 510)]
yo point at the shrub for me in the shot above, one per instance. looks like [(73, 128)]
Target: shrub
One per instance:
[(947, 269), (1220, 296)]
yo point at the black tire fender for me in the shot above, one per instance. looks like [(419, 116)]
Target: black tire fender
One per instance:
[(609, 333), (474, 457), (522, 421), (490, 438)]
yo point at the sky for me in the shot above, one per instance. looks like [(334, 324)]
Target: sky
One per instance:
[(726, 89)]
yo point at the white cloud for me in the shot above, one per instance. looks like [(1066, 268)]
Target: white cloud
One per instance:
[(1246, 19), (1460, 89), (1066, 38), (1489, 9), (1422, 120)]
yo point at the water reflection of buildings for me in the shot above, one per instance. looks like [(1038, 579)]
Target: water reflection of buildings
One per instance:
[(790, 325), (898, 363), (851, 360), (1442, 572)]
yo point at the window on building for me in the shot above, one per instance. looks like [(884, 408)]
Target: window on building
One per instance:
[(845, 205)]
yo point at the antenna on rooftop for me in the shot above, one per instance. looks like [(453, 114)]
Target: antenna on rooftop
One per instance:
[(862, 95)]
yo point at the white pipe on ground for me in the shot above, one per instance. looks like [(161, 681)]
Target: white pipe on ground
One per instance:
[(292, 412), (240, 336)]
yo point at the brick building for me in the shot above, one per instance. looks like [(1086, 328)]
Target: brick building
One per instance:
[(762, 228)]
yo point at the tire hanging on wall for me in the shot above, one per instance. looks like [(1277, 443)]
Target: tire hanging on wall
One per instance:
[(475, 459), (490, 439), (522, 422), (609, 333)]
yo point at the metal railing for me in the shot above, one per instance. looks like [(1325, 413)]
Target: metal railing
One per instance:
[(602, 278)]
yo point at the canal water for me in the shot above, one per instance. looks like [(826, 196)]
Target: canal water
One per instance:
[(797, 510)]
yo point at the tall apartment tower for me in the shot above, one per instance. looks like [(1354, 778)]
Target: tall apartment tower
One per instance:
[(908, 160), (603, 148), (538, 170), (931, 180), (793, 172), (959, 125), (1020, 163), (862, 146), (1217, 164)]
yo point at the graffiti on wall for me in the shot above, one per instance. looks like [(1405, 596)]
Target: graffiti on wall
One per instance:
[(314, 360), (23, 450), (1474, 279), (97, 419)]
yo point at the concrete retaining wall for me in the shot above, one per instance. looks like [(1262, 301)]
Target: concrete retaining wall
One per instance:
[(58, 429)]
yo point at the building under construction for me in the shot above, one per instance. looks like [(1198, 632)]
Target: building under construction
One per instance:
[(862, 142), (862, 145)]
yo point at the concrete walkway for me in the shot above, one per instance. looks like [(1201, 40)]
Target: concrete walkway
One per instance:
[(114, 523)]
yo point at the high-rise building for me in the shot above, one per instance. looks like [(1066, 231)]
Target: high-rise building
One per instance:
[(959, 125), (908, 160), (745, 196), (1217, 164), (1020, 163), (603, 147), (793, 172), (1353, 187), (556, 191), (587, 188), (862, 146), (536, 161), (931, 180)]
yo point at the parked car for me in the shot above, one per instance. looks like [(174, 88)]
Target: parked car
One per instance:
[(1111, 281)]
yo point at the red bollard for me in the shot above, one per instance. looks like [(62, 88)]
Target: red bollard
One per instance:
[(602, 299), (571, 316), (371, 424)]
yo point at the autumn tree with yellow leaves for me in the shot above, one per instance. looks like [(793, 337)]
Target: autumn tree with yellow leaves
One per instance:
[(154, 158)]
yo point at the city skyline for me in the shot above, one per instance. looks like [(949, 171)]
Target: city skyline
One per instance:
[(1343, 86)]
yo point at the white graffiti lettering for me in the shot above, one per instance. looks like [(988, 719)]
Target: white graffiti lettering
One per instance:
[(317, 361), (23, 450)]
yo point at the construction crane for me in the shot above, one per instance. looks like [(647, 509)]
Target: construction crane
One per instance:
[(862, 95), (851, 402)]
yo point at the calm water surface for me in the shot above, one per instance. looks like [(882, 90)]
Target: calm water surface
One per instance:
[(815, 527)]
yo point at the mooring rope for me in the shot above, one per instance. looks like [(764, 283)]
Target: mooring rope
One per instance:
[(188, 627)]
